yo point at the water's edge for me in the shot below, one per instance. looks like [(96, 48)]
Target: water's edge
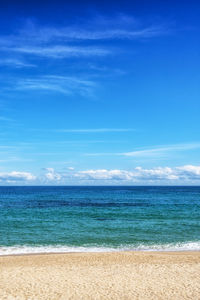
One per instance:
[(20, 250)]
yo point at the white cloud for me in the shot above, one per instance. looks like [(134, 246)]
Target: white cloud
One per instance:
[(190, 171), (15, 176), (159, 173), (188, 174), (104, 174), (134, 175), (49, 169), (138, 175), (51, 175)]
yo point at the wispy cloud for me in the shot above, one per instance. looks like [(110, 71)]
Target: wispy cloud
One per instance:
[(95, 130), (59, 51), (34, 44), (7, 147), (14, 159), (2, 118), (75, 33), (98, 27), (15, 63), (158, 151), (161, 150), (62, 42), (60, 84)]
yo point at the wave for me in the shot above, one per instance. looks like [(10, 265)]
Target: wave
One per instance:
[(25, 249)]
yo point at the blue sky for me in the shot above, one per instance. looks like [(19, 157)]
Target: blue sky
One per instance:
[(99, 93)]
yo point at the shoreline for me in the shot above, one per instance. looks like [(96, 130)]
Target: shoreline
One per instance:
[(103, 252), (146, 275), (46, 249)]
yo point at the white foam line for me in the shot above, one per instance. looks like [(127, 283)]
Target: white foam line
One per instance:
[(51, 249), (16, 250)]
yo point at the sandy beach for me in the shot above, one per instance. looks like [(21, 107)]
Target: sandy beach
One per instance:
[(120, 275)]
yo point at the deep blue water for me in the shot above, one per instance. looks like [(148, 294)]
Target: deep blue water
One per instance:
[(67, 218)]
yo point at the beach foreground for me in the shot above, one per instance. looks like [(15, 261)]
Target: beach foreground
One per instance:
[(118, 275)]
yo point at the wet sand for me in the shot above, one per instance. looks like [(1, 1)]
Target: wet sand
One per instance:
[(117, 275)]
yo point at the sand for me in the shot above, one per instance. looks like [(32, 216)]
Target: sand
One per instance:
[(121, 275)]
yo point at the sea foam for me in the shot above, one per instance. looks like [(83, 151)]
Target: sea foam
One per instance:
[(17, 250)]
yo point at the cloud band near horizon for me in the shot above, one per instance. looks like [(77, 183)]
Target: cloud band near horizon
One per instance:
[(166, 175)]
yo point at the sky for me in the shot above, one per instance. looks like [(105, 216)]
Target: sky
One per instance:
[(99, 92)]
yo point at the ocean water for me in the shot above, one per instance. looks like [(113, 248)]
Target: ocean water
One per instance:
[(65, 219)]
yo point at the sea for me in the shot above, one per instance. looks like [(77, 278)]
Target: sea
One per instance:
[(98, 219)]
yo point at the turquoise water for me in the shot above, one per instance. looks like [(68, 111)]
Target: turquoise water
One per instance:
[(46, 219)]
